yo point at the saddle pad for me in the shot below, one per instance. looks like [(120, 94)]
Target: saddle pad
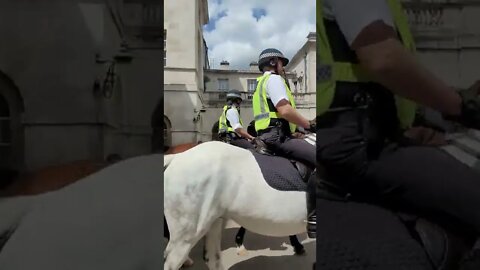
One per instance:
[(279, 173), (358, 236)]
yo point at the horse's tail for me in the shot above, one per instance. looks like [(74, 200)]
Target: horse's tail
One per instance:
[(12, 211), (167, 159)]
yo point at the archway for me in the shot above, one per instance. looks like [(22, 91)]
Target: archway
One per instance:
[(11, 129), (167, 132), (215, 131), (157, 142)]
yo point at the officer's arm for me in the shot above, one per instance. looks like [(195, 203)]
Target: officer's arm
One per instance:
[(369, 29), (234, 119), (278, 95), (290, 114), (384, 57), (242, 132)]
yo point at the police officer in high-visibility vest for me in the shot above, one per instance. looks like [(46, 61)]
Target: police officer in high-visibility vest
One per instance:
[(230, 124), (368, 85), (276, 118)]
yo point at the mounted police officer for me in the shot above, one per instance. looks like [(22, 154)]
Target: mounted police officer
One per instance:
[(230, 124), (368, 85), (276, 118)]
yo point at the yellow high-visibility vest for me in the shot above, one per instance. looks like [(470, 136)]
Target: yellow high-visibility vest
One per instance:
[(261, 110), (329, 71), (223, 124)]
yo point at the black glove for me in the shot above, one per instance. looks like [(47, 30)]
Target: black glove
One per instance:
[(470, 114), (260, 146), (313, 126)]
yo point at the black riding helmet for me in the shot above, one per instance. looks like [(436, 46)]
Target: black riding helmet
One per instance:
[(234, 95), (267, 55)]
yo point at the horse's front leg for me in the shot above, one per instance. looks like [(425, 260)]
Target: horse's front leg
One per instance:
[(297, 246), (241, 250)]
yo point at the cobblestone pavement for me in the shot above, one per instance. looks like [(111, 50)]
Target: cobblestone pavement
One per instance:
[(263, 252)]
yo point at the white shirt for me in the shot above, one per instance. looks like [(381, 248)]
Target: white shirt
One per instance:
[(234, 117), (354, 15), (275, 88)]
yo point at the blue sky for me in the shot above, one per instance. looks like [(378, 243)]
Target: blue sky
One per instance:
[(240, 29), (211, 24)]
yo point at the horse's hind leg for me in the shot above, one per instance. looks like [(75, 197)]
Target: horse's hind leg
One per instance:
[(241, 250), (213, 249)]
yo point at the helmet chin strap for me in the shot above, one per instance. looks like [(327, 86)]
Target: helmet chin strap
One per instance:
[(273, 63)]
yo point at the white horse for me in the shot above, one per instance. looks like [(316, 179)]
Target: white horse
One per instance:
[(214, 182)]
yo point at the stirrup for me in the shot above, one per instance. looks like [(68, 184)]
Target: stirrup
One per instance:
[(312, 226)]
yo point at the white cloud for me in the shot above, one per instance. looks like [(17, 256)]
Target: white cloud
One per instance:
[(239, 38)]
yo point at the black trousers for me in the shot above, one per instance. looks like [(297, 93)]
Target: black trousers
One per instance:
[(241, 142), (297, 149), (425, 180)]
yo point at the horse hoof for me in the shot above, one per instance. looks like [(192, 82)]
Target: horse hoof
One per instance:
[(242, 251), (187, 263), (300, 251)]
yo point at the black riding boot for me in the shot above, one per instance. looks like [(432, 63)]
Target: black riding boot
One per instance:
[(311, 206)]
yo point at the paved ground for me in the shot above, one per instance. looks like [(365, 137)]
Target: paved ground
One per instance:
[(263, 252)]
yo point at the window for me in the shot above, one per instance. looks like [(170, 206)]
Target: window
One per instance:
[(164, 48), (252, 85), (223, 84), (5, 131)]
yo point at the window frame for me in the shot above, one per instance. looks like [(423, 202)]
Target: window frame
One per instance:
[(254, 83), (227, 85)]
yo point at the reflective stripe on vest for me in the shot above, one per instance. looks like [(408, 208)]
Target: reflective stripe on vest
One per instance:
[(223, 124), (329, 71), (261, 111)]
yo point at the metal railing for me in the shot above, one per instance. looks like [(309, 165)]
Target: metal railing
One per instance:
[(219, 96), (143, 21), (432, 20), (152, 15), (305, 98)]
